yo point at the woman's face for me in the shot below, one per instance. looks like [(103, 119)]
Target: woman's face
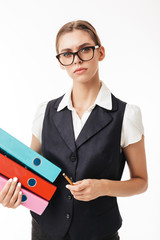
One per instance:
[(74, 41)]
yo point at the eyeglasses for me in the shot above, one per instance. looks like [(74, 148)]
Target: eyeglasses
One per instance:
[(84, 54)]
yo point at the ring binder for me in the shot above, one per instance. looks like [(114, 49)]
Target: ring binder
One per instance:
[(28, 157)]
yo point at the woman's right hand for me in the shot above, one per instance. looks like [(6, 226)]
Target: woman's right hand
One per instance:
[(11, 195)]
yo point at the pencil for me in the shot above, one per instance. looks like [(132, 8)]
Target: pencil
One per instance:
[(67, 178)]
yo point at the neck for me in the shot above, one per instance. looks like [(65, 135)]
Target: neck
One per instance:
[(84, 94)]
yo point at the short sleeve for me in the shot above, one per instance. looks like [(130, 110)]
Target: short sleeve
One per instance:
[(132, 127), (38, 121)]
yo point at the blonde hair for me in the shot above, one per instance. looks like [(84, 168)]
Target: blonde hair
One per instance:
[(78, 25)]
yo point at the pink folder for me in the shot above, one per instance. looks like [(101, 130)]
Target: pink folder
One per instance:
[(29, 200)]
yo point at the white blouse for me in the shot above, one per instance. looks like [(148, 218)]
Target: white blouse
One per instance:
[(132, 126)]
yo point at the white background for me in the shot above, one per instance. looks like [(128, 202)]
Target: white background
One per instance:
[(30, 74)]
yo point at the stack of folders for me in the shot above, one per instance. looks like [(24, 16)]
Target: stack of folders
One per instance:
[(35, 172)]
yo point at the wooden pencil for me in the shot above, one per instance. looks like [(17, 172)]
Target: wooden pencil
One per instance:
[(67, 178)]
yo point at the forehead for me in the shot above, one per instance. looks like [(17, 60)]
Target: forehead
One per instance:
[(73, 40)]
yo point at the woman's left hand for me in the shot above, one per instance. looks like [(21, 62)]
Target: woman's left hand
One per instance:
[(86, 190)]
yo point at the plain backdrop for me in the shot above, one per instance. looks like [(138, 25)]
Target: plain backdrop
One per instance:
[(30, 74)]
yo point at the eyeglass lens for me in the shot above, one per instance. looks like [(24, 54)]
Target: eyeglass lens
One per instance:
[(84, 54)]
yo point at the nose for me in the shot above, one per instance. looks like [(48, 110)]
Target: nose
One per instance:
[(77, 59)]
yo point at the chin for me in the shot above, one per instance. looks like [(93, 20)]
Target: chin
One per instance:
[(84, 78)]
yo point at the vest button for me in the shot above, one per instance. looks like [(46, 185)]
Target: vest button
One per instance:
[(73, 158), (68, 216), (69, 197)]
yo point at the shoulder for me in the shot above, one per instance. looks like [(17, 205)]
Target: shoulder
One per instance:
[(132, 113), (133, 116), (118, 104), (41, 109), (132, 127), (39, 116), (38, 120), (43, 106), (54, 103)]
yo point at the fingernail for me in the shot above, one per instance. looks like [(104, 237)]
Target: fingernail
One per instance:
[(20, 193), (10, 180), (19, 184), (15, 179), (66, 186)]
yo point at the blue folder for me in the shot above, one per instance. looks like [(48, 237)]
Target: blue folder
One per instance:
[(28, 157)]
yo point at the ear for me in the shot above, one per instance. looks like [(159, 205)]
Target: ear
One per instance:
[(101, 53)]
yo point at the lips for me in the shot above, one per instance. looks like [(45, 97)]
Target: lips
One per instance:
[(80, 70)]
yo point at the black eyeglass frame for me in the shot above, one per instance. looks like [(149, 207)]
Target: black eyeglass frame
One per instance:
[(76, 53)]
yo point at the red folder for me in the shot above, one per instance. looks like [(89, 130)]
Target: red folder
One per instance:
[(28, 179)]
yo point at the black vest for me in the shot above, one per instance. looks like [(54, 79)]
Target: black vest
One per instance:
[(96, 154)]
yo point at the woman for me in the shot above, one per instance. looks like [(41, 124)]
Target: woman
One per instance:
[(89, 134)]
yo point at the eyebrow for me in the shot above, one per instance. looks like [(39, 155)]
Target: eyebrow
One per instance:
[(79, 47)]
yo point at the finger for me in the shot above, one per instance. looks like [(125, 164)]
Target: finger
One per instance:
[(78, 182), (76, 188), (5, 190), (15, 196), (11, 190), (19, 200), (78, 194), (79, 187)]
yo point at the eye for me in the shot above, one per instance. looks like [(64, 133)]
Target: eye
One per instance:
[(85, 50), (67, 54)]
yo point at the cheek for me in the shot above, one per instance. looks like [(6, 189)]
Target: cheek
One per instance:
[(93, 67), (70, 72)]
